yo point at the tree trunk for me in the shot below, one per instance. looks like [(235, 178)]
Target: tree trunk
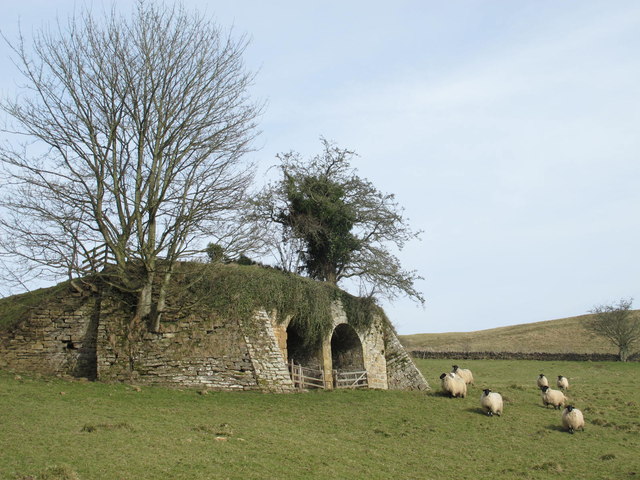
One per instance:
[(159, 306), (623, 354), (143, 308), (330, 275)]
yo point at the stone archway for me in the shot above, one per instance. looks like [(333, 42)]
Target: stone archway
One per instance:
[(299, 351), (303, 360), (346, 349)]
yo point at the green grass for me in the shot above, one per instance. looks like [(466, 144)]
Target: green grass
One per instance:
[(566, 335), (57, 429)]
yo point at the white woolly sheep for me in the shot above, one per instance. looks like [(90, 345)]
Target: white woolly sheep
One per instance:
[(453, 385), (572, 419), (553, 397), (563, 382), (491, 402), (542, 381), (464, 373)]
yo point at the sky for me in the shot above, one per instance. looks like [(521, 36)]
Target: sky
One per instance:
[(508, 131)]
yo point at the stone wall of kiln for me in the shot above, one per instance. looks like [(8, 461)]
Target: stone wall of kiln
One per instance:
[(84, 337), (58, 339), (198, 351), (402, 374), (268, 361), (373, 348), (372, 341)]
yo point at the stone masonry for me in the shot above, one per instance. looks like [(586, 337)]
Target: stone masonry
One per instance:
[(94, 339), (54, 339)]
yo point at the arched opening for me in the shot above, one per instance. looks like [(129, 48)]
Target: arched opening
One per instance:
[(304, 360), (298, 349), (346, 349)]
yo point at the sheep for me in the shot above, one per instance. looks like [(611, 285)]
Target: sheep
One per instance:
[(553, 397), (491, 402), (464, 373), (453, 385), (563, 382), (542, 381), (572, 419)]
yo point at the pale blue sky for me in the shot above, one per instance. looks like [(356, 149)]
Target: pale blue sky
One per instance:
[(509, 130)]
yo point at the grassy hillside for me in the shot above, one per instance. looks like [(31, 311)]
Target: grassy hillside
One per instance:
[(566, 335), (62, 430)]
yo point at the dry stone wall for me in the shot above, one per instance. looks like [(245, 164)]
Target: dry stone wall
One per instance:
[(541, 356), (402, 373), (55, 340), (199, 351), (269, 364), (85, 336)]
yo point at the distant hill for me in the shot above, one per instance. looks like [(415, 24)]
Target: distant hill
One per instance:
[(566, 335)]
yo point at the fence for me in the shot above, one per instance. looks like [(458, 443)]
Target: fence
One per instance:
[(350, 379), (97, 259), (305, 377), (309, 378)]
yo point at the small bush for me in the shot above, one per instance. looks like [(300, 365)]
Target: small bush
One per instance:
[(549, 467), (89, 428), (221, 430)]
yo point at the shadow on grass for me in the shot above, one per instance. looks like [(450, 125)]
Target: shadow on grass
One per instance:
[(556, 428), (478, 411), (442, 394), (549, 407)]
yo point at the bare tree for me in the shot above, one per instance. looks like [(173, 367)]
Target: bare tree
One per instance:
[(618, 324), (135, 132)]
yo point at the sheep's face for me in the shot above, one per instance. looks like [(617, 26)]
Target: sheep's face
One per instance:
[(486, 391), (442, 376), (544, 389), (542, 375), (569, 408), (455, 368), (559, 377)]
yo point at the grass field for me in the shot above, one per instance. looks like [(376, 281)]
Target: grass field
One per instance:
[(56, 429), (565, 335)]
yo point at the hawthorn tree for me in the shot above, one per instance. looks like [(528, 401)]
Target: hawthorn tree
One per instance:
[(617, 323), (135, 130), (335, 225)]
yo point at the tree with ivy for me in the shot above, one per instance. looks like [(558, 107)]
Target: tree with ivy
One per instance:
[(618, 323), (342, 225)]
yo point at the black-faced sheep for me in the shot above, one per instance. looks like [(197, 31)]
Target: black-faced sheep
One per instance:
[(464, 373), (563, 382), (491, 402), (572, 419), (542, 381), (453, 385), (553, 397)]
